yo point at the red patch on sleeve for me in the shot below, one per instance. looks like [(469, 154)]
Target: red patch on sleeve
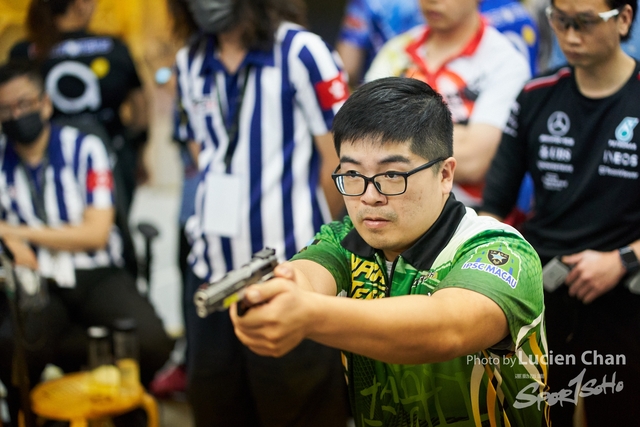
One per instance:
[(97, 179), (331, 92), (354, 23)]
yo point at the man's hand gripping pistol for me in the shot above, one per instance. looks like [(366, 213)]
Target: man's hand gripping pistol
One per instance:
[(219, 295)]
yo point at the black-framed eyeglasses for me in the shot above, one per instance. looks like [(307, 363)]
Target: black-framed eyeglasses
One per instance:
[(581, 22), (390, 183)]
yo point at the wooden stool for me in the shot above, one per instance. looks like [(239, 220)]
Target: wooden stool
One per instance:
[(68, 399)]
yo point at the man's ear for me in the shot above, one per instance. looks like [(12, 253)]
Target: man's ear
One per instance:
[(625, 18), (446, 172)]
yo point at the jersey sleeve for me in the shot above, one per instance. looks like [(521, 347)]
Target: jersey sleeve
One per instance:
[(508, 166), (127, 63), (326, 250), (94, 170), (507, 73), (506, 269), (319, 81), (188, 64), (391, 60), (182, 130), (356, 25)]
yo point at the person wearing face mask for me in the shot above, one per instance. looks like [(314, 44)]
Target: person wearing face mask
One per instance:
[(56, 217), (257, 93), (89, 77)]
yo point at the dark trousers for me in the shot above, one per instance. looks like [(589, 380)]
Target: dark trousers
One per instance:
[(57, 334), (608, 326), (228, 385)]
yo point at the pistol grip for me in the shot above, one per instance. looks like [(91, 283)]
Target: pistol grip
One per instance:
[(242, 308)]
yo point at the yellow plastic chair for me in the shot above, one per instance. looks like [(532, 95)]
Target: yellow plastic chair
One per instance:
[(69, 399)]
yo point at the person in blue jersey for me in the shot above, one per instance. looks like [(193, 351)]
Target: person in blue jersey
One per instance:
[(56, 217), (257, 93), (369, 24)]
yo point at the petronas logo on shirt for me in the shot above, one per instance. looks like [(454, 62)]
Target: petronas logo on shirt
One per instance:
[(497, 257)]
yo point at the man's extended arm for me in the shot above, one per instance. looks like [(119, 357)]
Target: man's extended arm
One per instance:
[(408, 329), (91, 234)]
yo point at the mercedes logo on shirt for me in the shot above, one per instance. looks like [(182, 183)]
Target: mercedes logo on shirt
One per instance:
[(558, 123)]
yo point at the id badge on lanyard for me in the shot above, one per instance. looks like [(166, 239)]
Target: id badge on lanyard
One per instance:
[(222, 199)]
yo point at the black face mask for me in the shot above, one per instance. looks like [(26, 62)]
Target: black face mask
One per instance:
[(213, 16), (25, 129)]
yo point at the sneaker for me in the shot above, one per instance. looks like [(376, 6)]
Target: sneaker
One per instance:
[(170, 380)]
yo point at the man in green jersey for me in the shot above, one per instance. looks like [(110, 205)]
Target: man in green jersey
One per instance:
[(461, 340)]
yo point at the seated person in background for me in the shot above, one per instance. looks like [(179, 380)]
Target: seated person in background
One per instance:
[(56, 205), (440, 308), (475, 68), (89, 78), (369, 24)]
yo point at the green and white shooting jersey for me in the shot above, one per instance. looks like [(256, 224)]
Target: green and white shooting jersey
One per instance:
[(501, 386)]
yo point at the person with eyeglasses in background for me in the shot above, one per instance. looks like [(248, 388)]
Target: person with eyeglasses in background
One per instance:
[(631, 46), (438, 308), (573, 130)]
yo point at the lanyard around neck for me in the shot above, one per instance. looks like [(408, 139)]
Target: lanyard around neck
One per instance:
[(233, 127), (38, 196)]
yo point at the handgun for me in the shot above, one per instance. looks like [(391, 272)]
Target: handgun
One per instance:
[(554, 273), (219, 295)]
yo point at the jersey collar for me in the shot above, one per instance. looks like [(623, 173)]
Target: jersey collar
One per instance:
[(424, 252), (415, 49), (255, 57)]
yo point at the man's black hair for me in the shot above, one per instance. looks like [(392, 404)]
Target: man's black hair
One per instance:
[(21, 68), (397, 110)]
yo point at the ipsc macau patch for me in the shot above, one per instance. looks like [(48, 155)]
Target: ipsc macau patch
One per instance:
[(498, 260), (498, 257)]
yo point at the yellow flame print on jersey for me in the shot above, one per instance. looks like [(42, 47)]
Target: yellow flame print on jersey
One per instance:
[(367, 279)]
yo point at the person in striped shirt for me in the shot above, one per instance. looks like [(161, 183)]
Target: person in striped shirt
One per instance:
[(258, 93), (56, 217)]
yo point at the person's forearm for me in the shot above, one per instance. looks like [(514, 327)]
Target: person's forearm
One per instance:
[(473, 147), (67, 238), (407, 330)]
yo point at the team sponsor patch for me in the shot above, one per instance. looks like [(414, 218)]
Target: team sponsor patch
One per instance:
[(331, 92), (99, 179), (497, 257), (499, 261)]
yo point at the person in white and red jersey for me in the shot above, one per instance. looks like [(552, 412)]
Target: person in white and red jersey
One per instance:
[(575, 131), (475, 68), (56, 217), (368, 24), (257, 92)]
